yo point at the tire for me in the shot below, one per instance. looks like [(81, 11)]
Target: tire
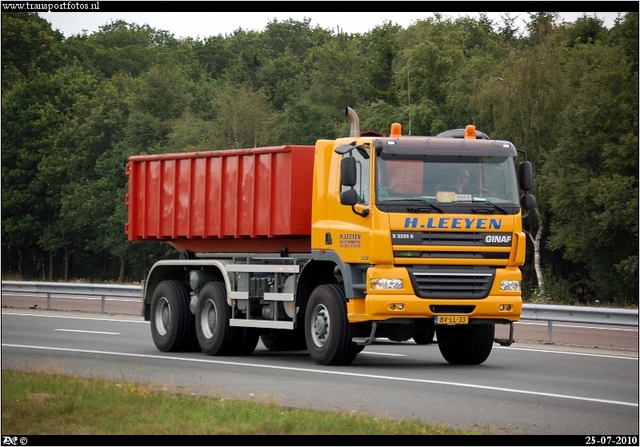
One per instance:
[(284, 340), (245, 341), (423, 338), (328, 332), (172, 324), (466, 345), (214, 333)]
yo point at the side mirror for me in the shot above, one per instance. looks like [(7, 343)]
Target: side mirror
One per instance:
[(528, 202), (525, 174), (348, 171), (349, 197)]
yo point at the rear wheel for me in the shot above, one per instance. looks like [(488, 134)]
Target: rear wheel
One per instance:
[(328, 332), (246, 340), (284, 340), (466, 345), (215, 334), (172, 324)]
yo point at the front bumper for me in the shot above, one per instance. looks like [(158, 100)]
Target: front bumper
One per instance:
[(380, 305)]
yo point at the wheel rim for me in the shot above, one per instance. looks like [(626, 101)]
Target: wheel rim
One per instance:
[(163, 316), (208, 319), (320, 325)]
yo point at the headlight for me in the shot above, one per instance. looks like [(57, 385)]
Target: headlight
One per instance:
[(509, 285), (385, 284)]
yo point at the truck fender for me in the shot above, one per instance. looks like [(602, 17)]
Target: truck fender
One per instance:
[(313, 274), (179, 270), (328, 268)]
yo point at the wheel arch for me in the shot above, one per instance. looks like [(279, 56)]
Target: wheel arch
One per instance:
[(178, 270), (328, 268), (314, 273)]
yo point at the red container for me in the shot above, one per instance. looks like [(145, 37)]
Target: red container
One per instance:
[(245, 200)]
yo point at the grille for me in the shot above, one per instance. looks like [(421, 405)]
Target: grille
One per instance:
[(451, 254), (448, 282), (475, 246), (435, 238), (438, 309), (450, 238)]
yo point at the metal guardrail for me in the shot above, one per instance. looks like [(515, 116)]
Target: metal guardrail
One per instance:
[(56, 288), (541, 312), (577, 314)]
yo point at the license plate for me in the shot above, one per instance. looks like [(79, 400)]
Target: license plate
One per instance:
[(451, 319)]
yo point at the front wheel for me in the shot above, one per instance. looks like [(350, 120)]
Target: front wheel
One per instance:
[(172, 324), (466, 345), (328, 332)]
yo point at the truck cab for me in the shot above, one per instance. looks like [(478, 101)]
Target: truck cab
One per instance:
[(416, 256)]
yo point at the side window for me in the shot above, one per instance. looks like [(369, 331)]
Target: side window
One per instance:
[(362, 185)]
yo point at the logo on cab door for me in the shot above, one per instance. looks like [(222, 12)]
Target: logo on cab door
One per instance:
[(350, 240)]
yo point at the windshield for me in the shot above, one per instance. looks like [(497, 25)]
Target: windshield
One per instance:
[(448, 179)]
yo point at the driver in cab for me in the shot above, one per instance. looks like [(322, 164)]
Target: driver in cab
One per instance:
[(461, 181)]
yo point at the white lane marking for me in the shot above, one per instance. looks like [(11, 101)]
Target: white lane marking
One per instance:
[(383, 353), (88, 332), (586, 354), (337, 373)]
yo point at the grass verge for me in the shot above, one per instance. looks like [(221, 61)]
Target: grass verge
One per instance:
[(41, 403)]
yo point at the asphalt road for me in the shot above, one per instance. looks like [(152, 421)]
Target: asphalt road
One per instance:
[(527, 388), (526, 331)]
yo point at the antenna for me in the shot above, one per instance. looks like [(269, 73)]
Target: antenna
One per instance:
[(409, 90)]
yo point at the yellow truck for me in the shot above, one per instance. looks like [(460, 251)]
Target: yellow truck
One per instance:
[(328, 248)]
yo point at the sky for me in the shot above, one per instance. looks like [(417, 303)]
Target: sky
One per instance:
[(200, 25)]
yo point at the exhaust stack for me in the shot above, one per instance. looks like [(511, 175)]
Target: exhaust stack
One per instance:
[(355, 122)]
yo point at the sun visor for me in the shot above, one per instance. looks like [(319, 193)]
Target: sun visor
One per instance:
[(418, 147)]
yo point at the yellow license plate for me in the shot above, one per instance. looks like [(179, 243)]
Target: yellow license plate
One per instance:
[(451, 319)]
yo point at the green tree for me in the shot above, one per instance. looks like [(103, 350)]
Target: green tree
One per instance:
[(595, 173), (586, 30), (244, 119), (305, 122), (520, 99), (35, 156), (378, 117), (381, 48), (625, 35), (213, 54), (121, 47), (247, 56), (335, 76), (434, 51), (95, 188), (29, 46), (158, 97), (541, 25), (286, 47)]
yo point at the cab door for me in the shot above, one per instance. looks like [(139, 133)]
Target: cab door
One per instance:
[(351, 227)]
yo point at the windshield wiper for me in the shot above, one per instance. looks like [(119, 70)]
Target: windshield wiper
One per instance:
[(484, 210), (430, 207), (420, 209)]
